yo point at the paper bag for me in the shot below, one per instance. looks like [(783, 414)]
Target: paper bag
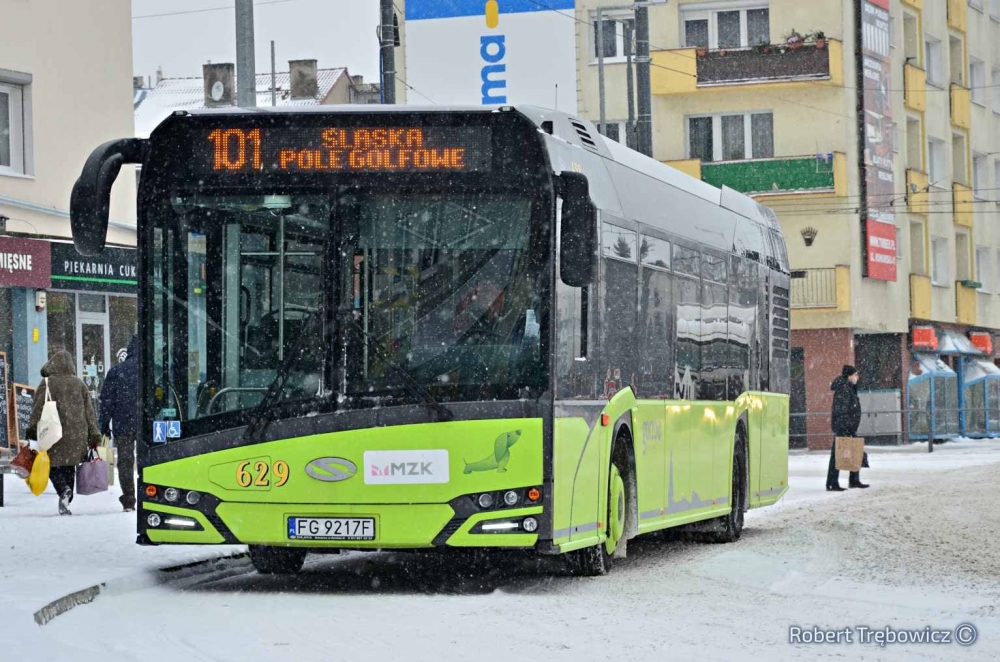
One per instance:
[(850, 453)]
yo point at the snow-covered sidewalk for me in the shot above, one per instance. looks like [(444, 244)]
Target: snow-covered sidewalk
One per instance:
[(902, 552)]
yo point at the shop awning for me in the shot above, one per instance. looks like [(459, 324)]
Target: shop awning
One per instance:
[(929, 365), (953, 342), (978, 369)]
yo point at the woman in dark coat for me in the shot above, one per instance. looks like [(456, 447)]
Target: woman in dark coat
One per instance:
[(846, 419), (79, 424)]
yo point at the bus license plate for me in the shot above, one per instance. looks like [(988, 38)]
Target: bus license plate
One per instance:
[(331, 528)]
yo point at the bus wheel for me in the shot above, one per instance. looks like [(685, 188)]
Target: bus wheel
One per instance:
[(277, 560), (732, 524), (595, 561)]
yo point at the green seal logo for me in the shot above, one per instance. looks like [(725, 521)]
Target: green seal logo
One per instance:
[(500, 456)]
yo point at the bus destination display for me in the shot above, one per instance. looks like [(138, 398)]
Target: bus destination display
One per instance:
[(349, 149)]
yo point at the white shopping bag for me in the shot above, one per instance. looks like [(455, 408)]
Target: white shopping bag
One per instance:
[(49, 426)]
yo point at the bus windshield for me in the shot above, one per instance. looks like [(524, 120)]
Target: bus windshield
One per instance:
[(356, 294)]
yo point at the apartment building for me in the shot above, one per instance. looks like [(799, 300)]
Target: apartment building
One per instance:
[(891, 227), (65, 87)]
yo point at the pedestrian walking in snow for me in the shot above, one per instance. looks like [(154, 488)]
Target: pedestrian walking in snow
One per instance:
[(120, 417), (846, 418), (79, 424)]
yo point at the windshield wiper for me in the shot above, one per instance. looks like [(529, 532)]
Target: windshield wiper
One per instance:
[(410, 383), (260, 416)]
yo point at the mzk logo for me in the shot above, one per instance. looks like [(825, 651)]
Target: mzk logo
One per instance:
[(403, 469), (492, 50)]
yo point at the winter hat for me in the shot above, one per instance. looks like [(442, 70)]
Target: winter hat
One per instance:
[(847, 371)]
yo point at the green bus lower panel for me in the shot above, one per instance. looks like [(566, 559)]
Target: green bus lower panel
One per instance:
[(464, 537)]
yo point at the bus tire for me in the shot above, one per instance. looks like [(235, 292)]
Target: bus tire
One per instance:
[(277, 560), (732, 524), (596, 560)]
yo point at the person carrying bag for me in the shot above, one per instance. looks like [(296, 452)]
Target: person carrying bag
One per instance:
[(63, 396)]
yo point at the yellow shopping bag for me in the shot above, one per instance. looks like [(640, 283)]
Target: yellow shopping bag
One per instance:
[(39, 476)]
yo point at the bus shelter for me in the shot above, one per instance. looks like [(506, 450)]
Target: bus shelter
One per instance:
[(932, 398), (981, 398)]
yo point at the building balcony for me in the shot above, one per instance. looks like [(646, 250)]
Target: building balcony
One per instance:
[(961, 106), (965, 302), (822, 289), (916, 4), (915, 88), (788, 175), (958, 15), (684, 71), (963, 205), (920, 297), (917, 196)]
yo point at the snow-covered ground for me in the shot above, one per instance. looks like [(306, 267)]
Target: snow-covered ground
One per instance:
[(918, 549)]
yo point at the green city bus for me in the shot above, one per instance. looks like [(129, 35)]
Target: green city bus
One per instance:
[(407, 328)]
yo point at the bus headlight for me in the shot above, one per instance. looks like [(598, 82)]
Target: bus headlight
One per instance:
[(485, 500), (510, 498), (193, 498), (530, 524), (171, 494), (153, 520)]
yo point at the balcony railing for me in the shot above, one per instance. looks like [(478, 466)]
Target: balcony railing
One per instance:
[(965, 303), (821, 288), (915, 87), (961, 106), (687, 70), (782, 175), (920, 296)]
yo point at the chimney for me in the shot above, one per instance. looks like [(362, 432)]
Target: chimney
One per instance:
[(303, 79), (159, 75), (137, 82), (358, 80), (220, 84)]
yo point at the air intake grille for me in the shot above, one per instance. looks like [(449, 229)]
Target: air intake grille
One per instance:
[(779, 323), (585, 138)]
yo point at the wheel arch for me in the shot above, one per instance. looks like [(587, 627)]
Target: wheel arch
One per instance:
[(625, 425)]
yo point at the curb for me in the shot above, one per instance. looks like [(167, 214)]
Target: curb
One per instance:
[(184, 576)]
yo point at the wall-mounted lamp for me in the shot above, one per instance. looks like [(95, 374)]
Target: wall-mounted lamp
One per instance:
[(809, 235), (39, 300)]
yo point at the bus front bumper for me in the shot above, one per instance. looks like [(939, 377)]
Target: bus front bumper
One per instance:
[(396, 526)]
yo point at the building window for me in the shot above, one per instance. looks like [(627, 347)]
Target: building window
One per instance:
[(11, 129), (615, 130), (977, 80), (939, 261), (956, 56), (937, 166), (731, 137), (984, 270), (995, 86), (911, 38), (958, 159), (614, 34), (735, 28), (933, 61), (914, 144), (980, 180), (918, 259)]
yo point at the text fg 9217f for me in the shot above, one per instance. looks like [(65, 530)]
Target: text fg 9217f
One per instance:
[(443, 328)]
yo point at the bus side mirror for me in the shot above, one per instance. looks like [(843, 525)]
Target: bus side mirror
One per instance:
[(578, 235), (91, 197)]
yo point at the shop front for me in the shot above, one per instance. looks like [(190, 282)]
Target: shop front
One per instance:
[(92, 309)]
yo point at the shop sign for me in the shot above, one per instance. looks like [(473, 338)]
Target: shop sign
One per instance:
[(924, 337), (982, 341), (24, 263), (875, 55), (113, 270), (881, 238)]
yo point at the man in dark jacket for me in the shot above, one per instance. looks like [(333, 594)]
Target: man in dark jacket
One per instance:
[(846, 419), (119, 418)]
